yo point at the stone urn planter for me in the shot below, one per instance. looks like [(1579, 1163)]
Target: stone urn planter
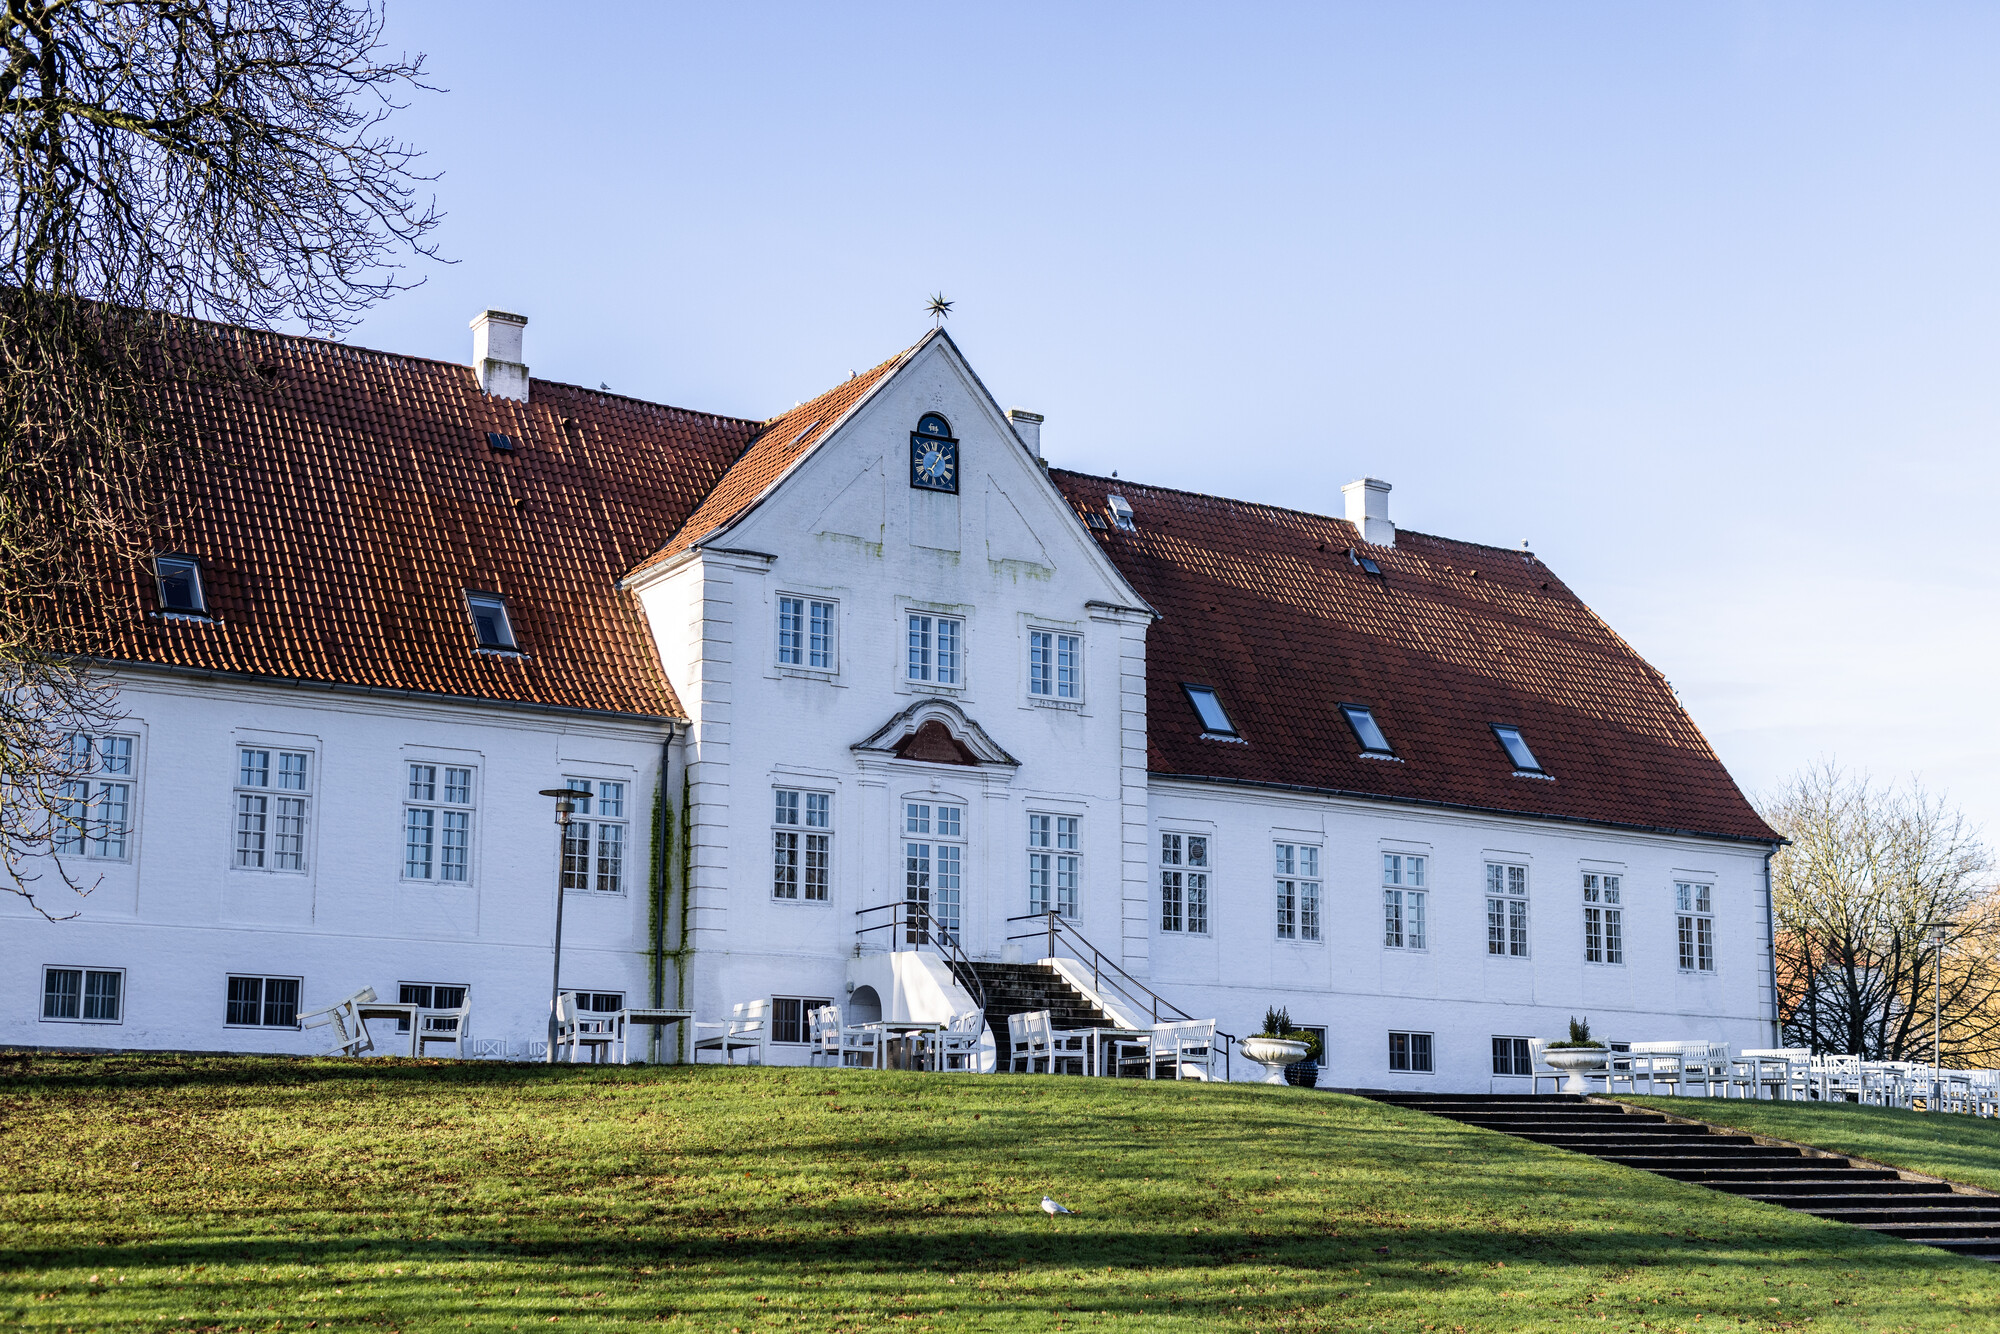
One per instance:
[(1274, 1054), (1579, 1061)]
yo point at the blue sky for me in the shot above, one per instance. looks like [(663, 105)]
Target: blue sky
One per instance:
[(1701, 300)]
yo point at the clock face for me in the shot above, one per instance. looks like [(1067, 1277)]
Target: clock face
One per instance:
[(933, 456)]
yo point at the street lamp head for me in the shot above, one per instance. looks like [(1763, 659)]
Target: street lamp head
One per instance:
[(566, 799)]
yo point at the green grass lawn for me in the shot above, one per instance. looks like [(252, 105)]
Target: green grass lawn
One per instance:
[(1961, 1148), (164, 1193)]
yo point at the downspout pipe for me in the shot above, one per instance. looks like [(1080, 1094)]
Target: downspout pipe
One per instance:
[(665, 893)]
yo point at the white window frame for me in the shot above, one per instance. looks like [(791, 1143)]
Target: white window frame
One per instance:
[(442, 811), (1297, 868), (1507, 920), (597, 1002), (923, 650), (806, 1004), (263, 1002), (1604, 919), (944, 844), (100, 797), (1519, 1055), (1051, 679), (1412, 1040), (1694, 926), (259, 801), (1055, 863), (1405, 901), (84, 975), (814, 647), (597, 848), (1186, 862), (801, 833)]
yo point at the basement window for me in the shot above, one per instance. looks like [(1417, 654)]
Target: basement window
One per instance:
[(490, 621), (180, 585), (1517, 751), (1208, 706), (1362, 719)]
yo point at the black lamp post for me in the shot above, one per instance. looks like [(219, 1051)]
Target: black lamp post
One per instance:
[(566, 799)]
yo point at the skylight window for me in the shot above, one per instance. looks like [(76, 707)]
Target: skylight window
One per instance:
[(1095, 520), (1517, 749), (1208, 706), (180, 585), (1367, 566), (1362, 719), (498, 443), (1121, 513), (490, 621)]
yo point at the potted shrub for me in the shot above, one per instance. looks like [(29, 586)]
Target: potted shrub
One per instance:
[(1279, 1045), (1580, 1054)]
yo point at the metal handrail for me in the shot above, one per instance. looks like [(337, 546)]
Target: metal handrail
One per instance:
[(1056, 928), (916, 917)]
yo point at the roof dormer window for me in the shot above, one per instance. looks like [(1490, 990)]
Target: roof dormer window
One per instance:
[(180, 585), (1517, 750), (1208, 707), (1366, 730), (490, 621)]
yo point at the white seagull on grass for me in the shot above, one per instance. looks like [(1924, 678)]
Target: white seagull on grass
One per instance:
[(1049, 1206)]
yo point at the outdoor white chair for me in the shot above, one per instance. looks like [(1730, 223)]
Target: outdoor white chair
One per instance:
[(1188, 1044), (444, 1028), (1759, 1068), (351, 1036), (1661, 1063), (825, 1036), (748, 1028), (863, 1044), (1028, 1041), (955, 1047), (579, 1030), (1538, 1070), (1835, 1078), (489, 1049)]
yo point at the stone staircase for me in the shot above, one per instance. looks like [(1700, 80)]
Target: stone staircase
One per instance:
[(1012, 988), (1877, 1198)]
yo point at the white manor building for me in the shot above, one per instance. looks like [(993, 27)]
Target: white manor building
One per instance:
[(872, 652)]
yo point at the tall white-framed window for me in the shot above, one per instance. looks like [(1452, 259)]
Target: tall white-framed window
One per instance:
[(933, 867), (801, 844), (594, 844), (97, 797), (936, 649), (806, 628), (1055, 665), (438, 804), (1184, 883), (273, 788), (1297, 881), (84, 995), (1507, 910), (1603, 918), (1695, 921), (1055, 863), (1403, 900)]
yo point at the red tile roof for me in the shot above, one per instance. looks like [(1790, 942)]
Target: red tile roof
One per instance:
[(1266, 606), (777, 450), (342, 512)]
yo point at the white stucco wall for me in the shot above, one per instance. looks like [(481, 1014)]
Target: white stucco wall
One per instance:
[(179, 918)]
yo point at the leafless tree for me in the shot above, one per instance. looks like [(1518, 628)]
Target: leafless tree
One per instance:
[(1856, 894), (167, 167)]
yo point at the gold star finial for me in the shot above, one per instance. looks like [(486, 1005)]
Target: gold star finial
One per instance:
[(939, 310)]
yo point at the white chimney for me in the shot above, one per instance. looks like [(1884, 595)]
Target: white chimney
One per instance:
[(1368, 510), (1027, 425), (496, 354)]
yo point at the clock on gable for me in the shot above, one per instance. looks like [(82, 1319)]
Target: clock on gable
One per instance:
[(933, 455)]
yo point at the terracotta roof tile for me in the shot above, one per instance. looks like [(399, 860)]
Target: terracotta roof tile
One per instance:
[(1266, 606), (779, 446), (341, 513)]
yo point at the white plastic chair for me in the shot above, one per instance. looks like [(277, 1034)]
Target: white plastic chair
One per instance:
[(581, 1030), (747, 1029), (444, 1028), (351, 1036)]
